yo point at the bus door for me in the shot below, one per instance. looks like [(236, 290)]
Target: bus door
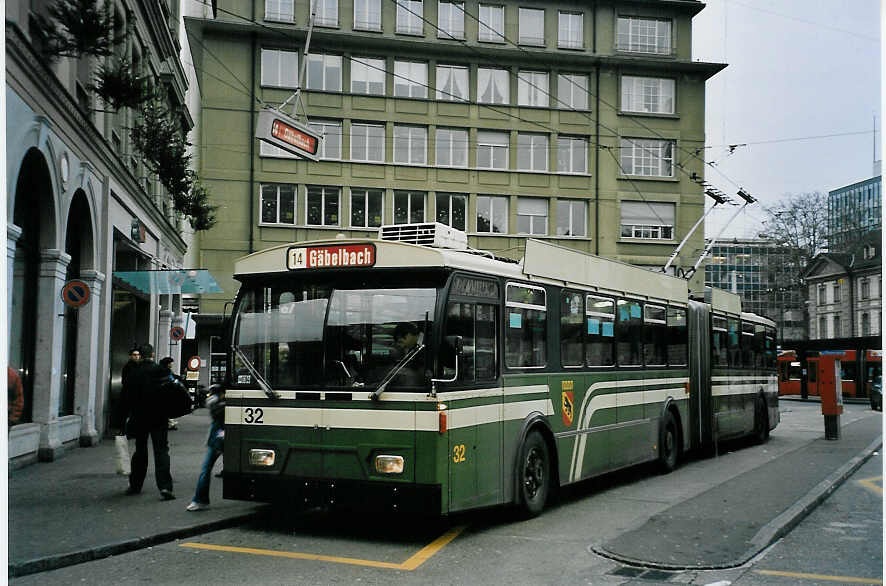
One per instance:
[(812, 376), (475, 408)]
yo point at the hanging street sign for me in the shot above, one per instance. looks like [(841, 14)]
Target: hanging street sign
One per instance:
[(282, 131), (177, 333), (75, 293)]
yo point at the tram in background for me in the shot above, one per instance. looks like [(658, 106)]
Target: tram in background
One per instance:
[(410, 373), (790, 371)]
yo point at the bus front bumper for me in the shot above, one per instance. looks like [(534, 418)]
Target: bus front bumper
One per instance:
[(307, 493)]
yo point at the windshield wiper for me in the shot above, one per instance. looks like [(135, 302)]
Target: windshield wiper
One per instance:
[(271, 393), (374, 395)]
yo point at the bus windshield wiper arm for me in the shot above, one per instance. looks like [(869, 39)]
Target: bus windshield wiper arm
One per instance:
[(374, 395), (271, 393)]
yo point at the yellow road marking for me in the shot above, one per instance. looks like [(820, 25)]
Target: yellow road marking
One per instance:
[(871, 484), (843, 579), (412, 563)]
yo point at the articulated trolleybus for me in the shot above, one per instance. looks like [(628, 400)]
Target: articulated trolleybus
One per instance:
[(409, 373)]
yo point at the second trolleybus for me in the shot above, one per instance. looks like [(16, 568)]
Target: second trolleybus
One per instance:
[(394, 375)]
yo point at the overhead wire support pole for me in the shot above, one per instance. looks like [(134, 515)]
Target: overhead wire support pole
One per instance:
[(718, 199), (301, 74), (748, 199)]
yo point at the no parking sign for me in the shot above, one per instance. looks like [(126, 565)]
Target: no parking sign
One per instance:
[(75, 293), (177, 333)]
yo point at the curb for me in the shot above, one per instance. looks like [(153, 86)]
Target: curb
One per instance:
[(776, 528), (55, 562)]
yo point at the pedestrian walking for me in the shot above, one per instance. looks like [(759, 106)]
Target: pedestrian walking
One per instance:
[(215, 403), (146, 411), (174, 379)]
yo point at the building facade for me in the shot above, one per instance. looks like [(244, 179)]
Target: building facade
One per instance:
[(767, 279), (573, 122), (846, 292), (82, 205), (853, 210)]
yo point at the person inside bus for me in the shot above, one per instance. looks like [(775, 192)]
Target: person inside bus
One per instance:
[(406, 336)]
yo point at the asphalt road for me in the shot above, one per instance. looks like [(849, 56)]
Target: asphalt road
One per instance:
[(492, 547)]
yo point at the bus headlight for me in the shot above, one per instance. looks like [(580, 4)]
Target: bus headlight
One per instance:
[(262, 457), (389, 464)]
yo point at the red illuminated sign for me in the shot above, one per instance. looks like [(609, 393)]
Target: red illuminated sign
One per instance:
[(334, 256), (291, 135)]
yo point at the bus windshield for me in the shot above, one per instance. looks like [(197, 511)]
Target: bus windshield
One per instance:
[(324, 334)]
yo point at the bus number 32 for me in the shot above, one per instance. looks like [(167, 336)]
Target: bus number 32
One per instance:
[(458, 453), (251, 415)]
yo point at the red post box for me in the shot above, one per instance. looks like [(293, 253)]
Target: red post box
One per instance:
[(830, 388)]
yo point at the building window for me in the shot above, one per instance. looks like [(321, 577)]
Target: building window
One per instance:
[(532, 26), (837, 292), (330, 146), (647, 157), (366, 207), (367, 15), (865, 324), (644, 35), (367, 76), (651, 220), (532, 215), (410, 144), (865, 288), (572, 154), (325, 12), (822, 294), (280, 10), (492, 149), (838, 326), (452, 83), (532, 152), (450, 20), (492, 214), (324, 72), (570, 30), (492, 23), (277, 203), (822, 327), (409, 17), (572, 218), (269, 150), (452, 147), (493, 86), (409, 207), (323, 203), (532, 88), (651, 95), (279, 68), (452, 209), (572, 91), (410, 79), (368, 142)]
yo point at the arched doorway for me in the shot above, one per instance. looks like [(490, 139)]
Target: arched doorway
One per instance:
[(34, 215)]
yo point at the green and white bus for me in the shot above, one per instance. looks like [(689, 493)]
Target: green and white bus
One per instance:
[(517, 377)]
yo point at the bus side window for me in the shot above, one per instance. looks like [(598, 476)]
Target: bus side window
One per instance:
[(629, 333), (655, 335), (460, 322), (477, 324), (747, 344), (759, 345), (572, 318), (771, 359), (720, 342), (526, 326), (677, 337), (733, 338), (600, 348)]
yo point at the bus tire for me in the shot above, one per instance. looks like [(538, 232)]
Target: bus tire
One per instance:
[(535, 475), (761, 420), (669, 447)]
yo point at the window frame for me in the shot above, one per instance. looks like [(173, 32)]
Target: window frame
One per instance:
[(410, 76), (337, 126), (633, 45), (630, 162), (533, 88), (533, 138), (325, 58), (532, 217), (634, 94), (409, 199), (278, 83), (571, 141), (570, 44), (486, 144), (493, 36), (359, 24), (571, 203), (452, 70), (451, 197), (413, 132), (277, 205), (651, 231), (322, 19), (278, 16), (323, 203), (496, 74), (364, 197), (413, 23), (367, 142), (568, 80), (531, 307), (451, 148), (481, 200), (454, 13), (564, 325), (524, 39), (368, 70)]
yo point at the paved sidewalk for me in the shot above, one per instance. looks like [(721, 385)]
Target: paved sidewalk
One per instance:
[(74, 510)]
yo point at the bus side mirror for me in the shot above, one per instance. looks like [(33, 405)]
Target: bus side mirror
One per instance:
[(456, 344), (453, 346)]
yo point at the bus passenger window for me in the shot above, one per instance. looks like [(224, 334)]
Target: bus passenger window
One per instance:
[(677, 337), (733, 339), (525, 326), (572, 322), (759, 346), (600, 348), (771, 359), (485, 354), (747, 344), (629, 333), (655, 335), (460, 322), (720, 342)]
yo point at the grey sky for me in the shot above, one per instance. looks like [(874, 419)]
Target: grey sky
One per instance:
[(797, 68)]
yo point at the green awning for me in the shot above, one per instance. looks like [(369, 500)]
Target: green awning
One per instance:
[(166, 282)]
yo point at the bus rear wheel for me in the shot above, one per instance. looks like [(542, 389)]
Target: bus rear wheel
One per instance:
[(535, 474), (669, 450)]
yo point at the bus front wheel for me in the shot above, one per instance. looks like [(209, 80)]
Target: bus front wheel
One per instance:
[(535, 474)]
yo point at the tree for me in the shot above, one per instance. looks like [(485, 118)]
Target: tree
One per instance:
[(799, 223), (73, 28)]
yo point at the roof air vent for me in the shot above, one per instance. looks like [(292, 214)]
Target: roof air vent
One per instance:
[(433, 234)]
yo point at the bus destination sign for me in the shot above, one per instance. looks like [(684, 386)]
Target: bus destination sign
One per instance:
[(334, 256), (284, 132)]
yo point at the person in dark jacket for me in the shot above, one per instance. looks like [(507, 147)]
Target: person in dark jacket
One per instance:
[(215, 402), (126, 380), (147, 417), (176, 380)]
